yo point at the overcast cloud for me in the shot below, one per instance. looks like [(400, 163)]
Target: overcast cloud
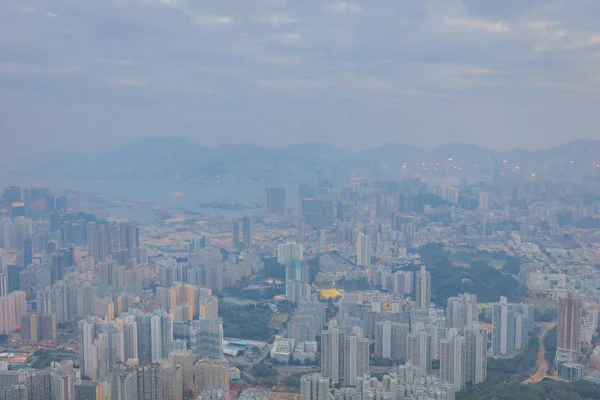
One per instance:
[(91, 75)]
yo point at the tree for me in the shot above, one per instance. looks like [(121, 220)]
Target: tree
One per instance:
[(4, 338)]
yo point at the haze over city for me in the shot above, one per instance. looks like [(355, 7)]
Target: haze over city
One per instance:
[(299, 200), (89, 76)]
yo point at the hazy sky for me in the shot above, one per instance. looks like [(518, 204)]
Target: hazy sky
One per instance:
[(94, 74)]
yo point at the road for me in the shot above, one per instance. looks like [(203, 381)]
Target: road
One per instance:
[(542, 363)]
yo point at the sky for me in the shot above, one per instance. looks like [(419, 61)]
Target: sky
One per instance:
[(88, 76)]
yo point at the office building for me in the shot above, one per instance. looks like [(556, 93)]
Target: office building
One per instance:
[(237, 243), (246, 232), (423, 288), (314, 387), (363, 250), (317, 213), (275, 200)]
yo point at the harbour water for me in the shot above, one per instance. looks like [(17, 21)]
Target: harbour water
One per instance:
[(170, 195)]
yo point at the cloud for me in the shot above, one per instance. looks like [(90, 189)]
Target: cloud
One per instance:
[(211, 20), (452, 56), (477, 25), (51, 14), (346, 8), (277, 20), (128, 81), (109, 61)]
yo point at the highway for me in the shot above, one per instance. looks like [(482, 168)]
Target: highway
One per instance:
[(542, 363)]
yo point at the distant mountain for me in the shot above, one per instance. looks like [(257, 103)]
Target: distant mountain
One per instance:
[(182, 159)]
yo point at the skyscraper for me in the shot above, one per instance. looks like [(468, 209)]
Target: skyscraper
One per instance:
[(355, 356), (237, 244), (314, 387), (423, 288), (461, 312), (246, 232), (27, 251), (149, 382), (330, 352), (276, 200), (507, 328), (363, 250), (391, 339), (483, 200), (289, 252), (211, 374), (476, 355), (569, 324), (453, 367), (419, 350), (318, 214)]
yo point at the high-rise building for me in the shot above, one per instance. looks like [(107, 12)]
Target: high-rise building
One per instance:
[(125, 383), (476, 355), (423, 288), (12, 308), (144, 338), (419, 350), (29, 327), (150, 381), (332, 341), (93, 349), (289, 252), (507, 328), (355, 356), (172, 381), (403, 282), (363, 250), (453, 368), (391, 339), (483, 200), (27, 251), (461, 312), (185, 359), (246, 232), (88, 390), (317, 213), (314, 387), (237, 244), (211, 374), (569, 324), (276, 200)]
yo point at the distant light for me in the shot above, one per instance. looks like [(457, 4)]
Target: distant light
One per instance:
[(449, 159), (505, 161), (571, 162)]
